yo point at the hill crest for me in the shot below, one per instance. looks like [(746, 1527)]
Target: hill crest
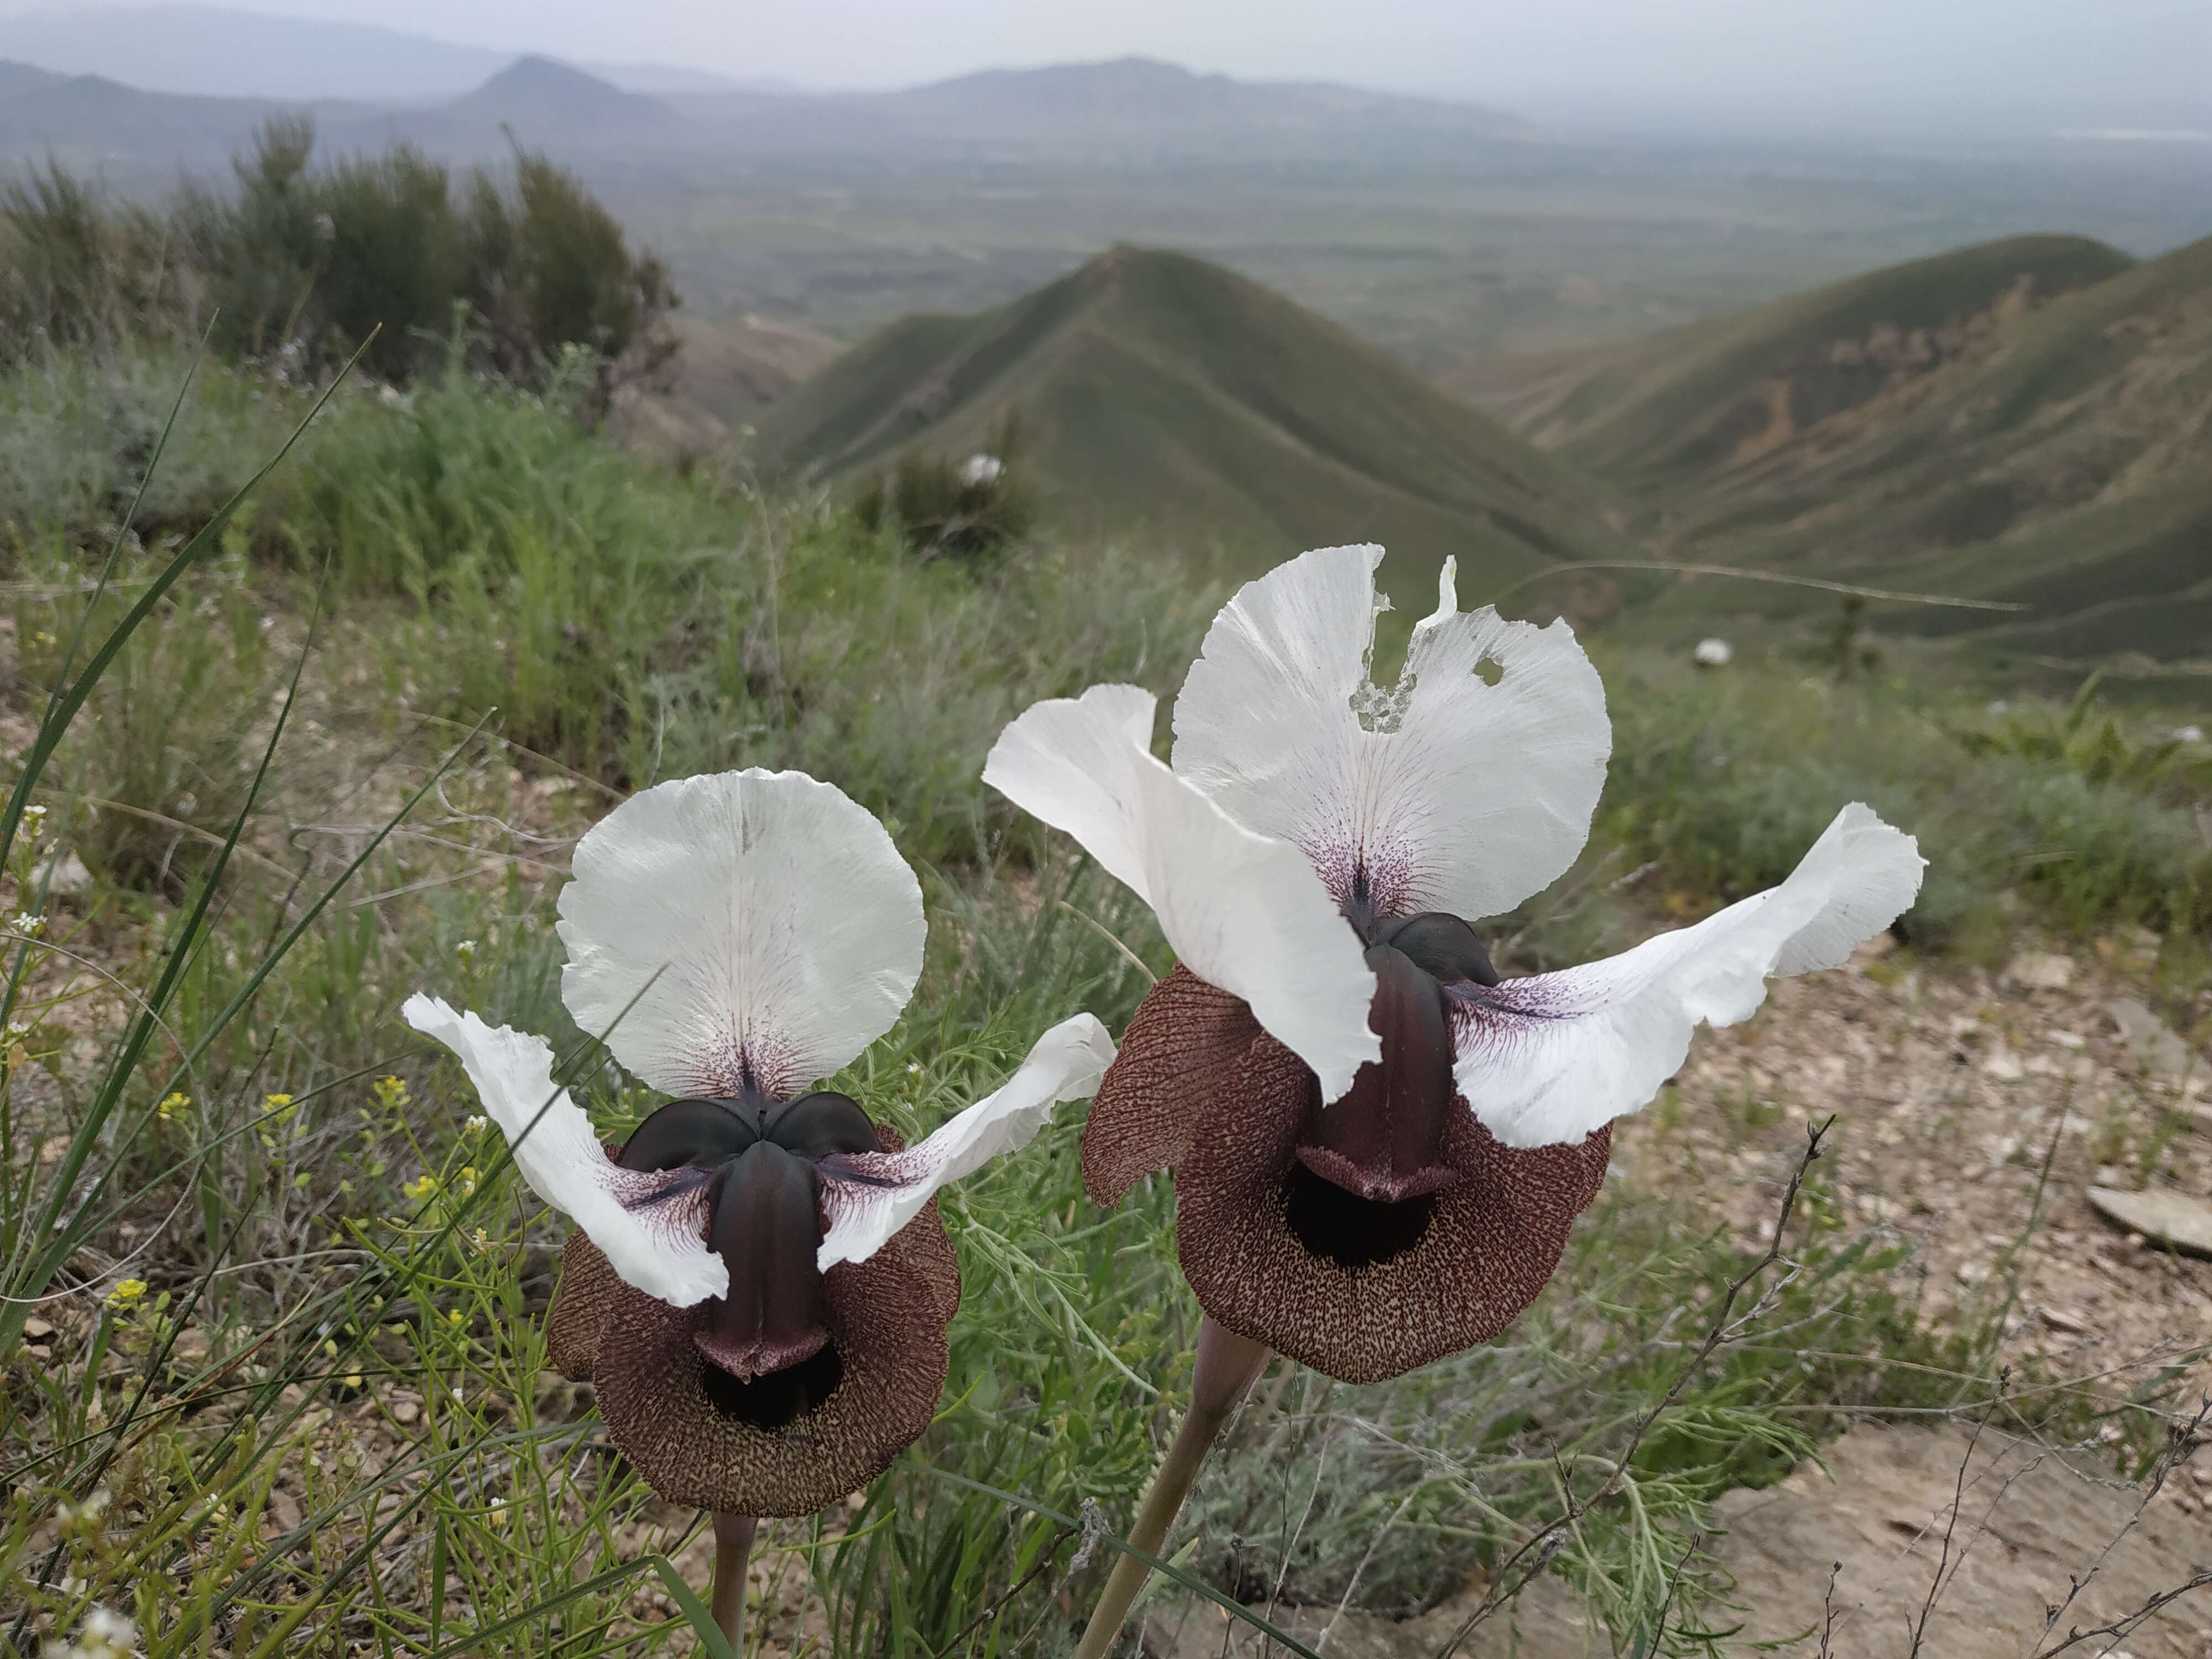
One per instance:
[(1157, 392), (534, 90)]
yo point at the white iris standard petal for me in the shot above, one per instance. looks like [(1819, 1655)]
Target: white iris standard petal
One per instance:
[(1550, 1057), (650, 1224), (741, 927), (1245, 911), (1465, 788), (871, 1195)]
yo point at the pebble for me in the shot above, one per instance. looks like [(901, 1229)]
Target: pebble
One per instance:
[(2157, 1050), (63, 877), (2173, 1219), (2040, 970)]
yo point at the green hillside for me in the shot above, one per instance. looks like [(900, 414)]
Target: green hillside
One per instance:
[(1158, 393), (1672, 408), (2069, 469), (2057, 456)]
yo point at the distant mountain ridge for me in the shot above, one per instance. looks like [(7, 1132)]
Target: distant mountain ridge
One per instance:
[(1145, 95), (237, 63), (89, 120), (1160, 394), (1123, 107), (219, 51), (79, 117)]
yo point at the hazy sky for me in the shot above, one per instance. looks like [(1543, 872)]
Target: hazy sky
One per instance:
[(1779, 54)]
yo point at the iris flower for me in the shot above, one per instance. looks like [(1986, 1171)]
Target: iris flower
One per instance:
[(1379, 1144), (759, 1284)]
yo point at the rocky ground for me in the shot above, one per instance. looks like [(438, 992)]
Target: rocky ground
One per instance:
[(1977, 1115)]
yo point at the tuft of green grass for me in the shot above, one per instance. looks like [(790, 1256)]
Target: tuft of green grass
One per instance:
[(1724, 779)]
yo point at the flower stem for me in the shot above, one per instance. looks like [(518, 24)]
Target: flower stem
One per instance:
[(1228, 1365), (733, 1547)]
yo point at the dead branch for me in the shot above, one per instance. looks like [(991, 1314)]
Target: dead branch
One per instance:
[(2182, 1440)]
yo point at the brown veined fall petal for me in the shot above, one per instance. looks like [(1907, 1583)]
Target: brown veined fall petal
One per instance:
[(578, 1314), (1181, 1051), (849, 1410), (1366, 1292), (796, 1442)]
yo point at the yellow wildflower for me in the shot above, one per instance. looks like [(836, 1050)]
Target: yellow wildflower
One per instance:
[(126, 1294), (173, 1107), (421, 1189)]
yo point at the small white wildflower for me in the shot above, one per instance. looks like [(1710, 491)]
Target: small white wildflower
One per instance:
[(466, 950), (34, 821), (107, 1625), (1998, 706), (477, 1123), (1714, 653), (2189, 734), (69, 1516), (979, 470), (26, 924), (106, 1635)]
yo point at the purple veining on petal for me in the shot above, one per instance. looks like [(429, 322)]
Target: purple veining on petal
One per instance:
[(731, 1065), (673, 1201), (858, 1187), (1491, 1017), (1368, 878)]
